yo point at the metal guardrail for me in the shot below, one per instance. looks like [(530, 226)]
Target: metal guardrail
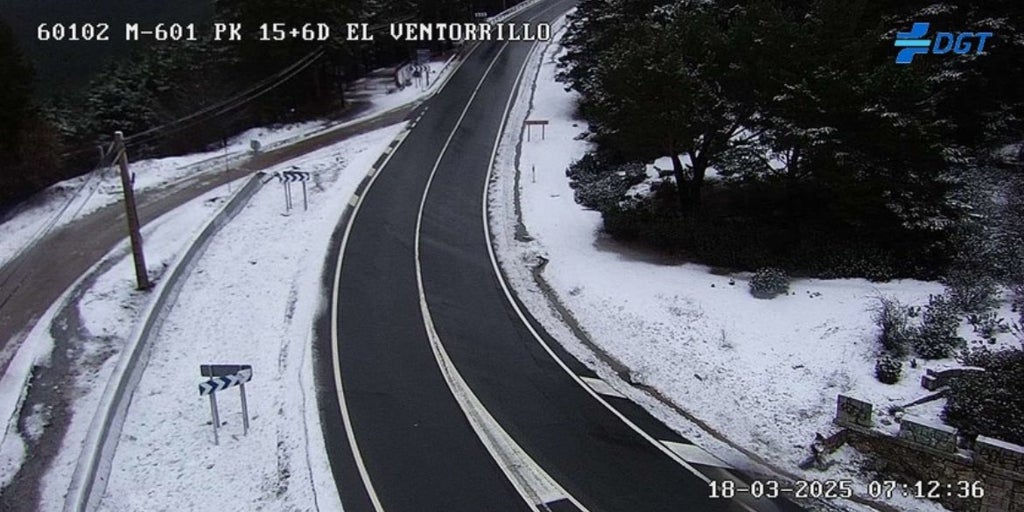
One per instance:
[(89, 480)]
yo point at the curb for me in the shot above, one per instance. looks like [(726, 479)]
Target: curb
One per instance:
[(89, 480)]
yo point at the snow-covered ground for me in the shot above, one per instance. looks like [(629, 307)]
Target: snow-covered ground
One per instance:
[(74, 198), (108, 311), (250, 299), (384, 93), (63, 202), (763, 374)]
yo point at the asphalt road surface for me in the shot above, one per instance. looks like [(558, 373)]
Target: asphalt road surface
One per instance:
[(412, 272)]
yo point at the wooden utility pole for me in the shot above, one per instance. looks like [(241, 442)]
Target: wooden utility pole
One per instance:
[(141, 276)]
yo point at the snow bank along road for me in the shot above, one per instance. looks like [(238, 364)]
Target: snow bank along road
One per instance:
[(438, 391)]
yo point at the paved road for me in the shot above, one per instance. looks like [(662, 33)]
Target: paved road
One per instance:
[(396, 434), (32, 282)]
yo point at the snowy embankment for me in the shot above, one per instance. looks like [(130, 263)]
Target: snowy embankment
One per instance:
[(382, 91), (760, 375), (250, 299), (106, 313)]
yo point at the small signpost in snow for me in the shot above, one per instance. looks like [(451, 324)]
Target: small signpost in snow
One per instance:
[(530, 123), (224, 376), (286, 178)]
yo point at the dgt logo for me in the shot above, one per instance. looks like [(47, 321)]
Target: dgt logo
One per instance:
[(914, 42)]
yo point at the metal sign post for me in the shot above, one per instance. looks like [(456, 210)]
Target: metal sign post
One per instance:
[(286, 178), (215, 417), (224, 376), (529, 125), (245, 410)]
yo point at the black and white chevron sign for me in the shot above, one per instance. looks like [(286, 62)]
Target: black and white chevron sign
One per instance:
[(221, 383), (292, 176)]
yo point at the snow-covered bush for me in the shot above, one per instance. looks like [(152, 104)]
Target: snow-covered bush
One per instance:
[(600, 185), (769, 282), (972, 292), (588, 168), (894, 333), (876, 270), (652, 219), (1018, 303), (988, 325), (858, 261), (937, 336), (888, 370), (989, 403)]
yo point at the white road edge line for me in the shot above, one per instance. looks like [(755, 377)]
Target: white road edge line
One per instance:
[(532, 483), (356, 202), (602, 387), (508, 295), (696, 454)]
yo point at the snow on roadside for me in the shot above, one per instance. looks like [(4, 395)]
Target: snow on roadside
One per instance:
[(250, 299), (108, 310), (68, 200), (384, 94), (12, 454), (765, 373)]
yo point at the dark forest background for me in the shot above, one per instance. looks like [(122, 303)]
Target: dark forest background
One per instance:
[(66, 65)]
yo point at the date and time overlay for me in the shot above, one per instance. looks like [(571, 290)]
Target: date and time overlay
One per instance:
[(843, 489)]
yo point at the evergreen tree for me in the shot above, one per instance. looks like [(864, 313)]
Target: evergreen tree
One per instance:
[(979, 95), (124, 98), (28, 144), (655, 85), (15, 89)]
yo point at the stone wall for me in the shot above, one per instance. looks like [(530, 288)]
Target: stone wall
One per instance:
[(933, 380), (926, 450)]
